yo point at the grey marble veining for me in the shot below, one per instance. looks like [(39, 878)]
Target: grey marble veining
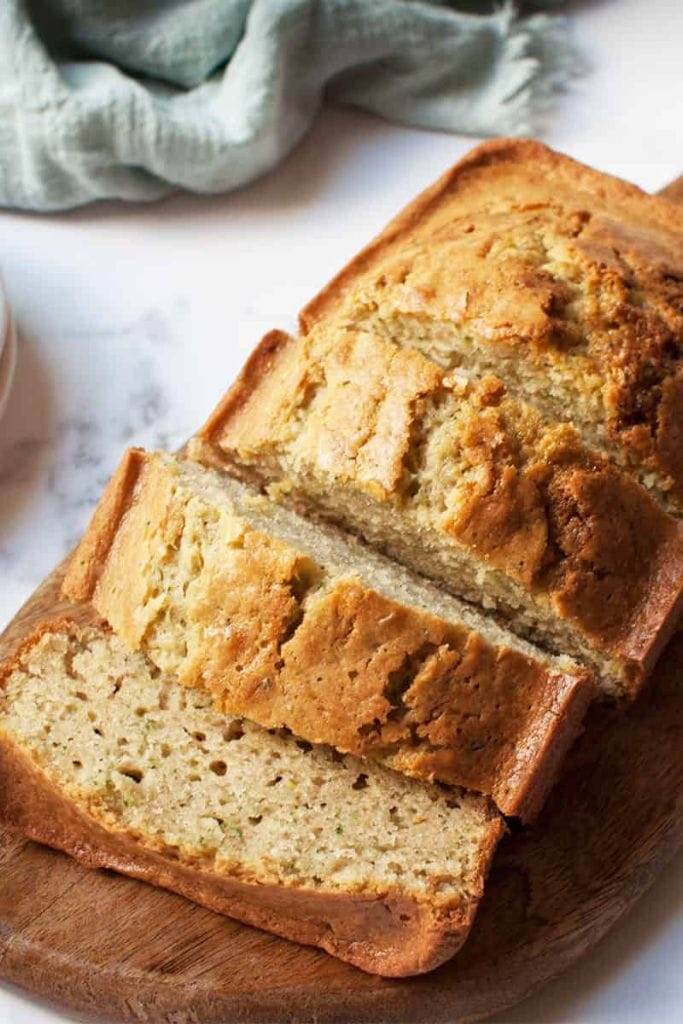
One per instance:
[(79, 399)]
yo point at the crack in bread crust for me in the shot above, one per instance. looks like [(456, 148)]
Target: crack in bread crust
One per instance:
[(567, 284)]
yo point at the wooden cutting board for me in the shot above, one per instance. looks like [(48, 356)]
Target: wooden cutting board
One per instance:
[(119, 949)]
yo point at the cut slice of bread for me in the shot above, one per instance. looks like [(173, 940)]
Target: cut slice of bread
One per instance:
[(564, 282), (295, 624), (464, 483), (105, 758)]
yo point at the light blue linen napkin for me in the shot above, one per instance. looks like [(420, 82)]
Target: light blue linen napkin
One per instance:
[(135, 98)]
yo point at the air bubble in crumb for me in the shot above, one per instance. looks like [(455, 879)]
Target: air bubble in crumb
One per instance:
[(233, 732)]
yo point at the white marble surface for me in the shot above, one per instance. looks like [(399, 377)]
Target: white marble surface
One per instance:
[(134, 319)]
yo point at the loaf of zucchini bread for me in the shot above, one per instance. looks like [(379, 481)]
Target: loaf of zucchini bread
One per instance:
[(121, 767), (295, 624), (491, 393), (564, 282), (464, 483)]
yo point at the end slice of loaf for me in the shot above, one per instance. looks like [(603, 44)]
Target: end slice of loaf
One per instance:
[(464, 483), (295, 624), (564, 282), (123, 768)]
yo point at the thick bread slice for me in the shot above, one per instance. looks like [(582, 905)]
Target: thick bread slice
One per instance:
[(465, 484), (294, 624), (122, 768), (566, 283)]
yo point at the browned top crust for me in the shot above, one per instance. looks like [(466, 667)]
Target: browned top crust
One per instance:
[(470, 466), (520, 253), (288, 641)]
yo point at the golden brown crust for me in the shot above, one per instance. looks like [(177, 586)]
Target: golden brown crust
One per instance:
[(341, 664), (60, 622), (93, 549), (383, 933), (428, 699), (257, 367), (536, 161), (473, 467), (538, 258)]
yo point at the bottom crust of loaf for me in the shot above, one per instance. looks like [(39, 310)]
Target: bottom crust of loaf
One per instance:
[(391, 936)]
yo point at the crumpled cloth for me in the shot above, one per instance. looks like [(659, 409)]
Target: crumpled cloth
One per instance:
[(136, 98)]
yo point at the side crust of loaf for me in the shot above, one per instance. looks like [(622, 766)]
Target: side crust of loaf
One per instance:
[(556, 535), (332, 660), (85, 564)]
